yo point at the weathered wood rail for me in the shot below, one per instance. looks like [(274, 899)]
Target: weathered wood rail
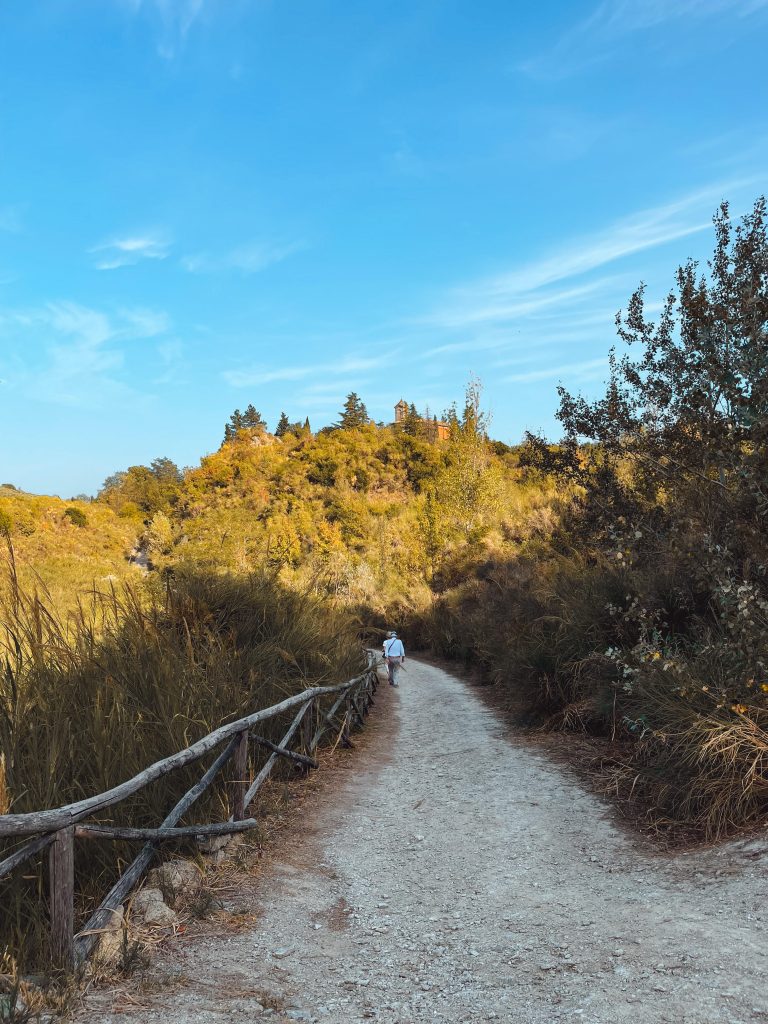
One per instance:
[(58, 828)]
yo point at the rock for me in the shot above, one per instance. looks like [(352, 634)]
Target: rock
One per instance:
[(283, 952), (175, 878), (149, 908), (111, 940), (212, 844)]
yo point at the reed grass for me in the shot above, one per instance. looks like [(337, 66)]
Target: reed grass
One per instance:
[(134, 674)]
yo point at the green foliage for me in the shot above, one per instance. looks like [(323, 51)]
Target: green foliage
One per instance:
[(250, 420), (283, 426), (76, 516), (340, 511), (150, 488), (354, 414), (159, 534), (469, 487)]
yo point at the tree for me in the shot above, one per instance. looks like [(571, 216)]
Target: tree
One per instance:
[(354, 414), (470, 485), (283, 425), (251, 419), (676, 463), (412, 424), (149, 488), (159, 535)]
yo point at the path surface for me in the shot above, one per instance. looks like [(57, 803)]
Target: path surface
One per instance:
[(457, 875)]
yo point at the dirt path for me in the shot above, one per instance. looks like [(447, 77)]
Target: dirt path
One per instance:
[(457, 875)]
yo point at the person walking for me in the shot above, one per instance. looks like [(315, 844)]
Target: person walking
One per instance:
[(394, 655)]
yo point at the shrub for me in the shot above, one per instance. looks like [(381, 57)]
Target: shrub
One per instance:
[(76, 516)]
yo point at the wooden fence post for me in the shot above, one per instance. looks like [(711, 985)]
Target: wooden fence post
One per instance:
[(345, 740), (61, 866), (308, 729), (240, 785)]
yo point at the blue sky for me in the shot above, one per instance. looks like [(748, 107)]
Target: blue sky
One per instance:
[(206, 203)]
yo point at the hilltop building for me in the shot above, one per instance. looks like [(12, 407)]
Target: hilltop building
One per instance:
[(434, 429)]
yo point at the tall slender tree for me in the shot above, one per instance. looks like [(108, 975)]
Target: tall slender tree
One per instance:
[(354, 414), (283, 425)]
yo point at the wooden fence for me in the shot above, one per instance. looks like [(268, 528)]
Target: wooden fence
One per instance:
[(58, 828)]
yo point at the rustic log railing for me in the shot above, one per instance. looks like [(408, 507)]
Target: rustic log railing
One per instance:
[(59, 827)]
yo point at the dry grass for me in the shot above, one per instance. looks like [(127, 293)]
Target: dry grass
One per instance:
[(132, 676)]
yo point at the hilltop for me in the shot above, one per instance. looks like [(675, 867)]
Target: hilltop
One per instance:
[(371, 515)]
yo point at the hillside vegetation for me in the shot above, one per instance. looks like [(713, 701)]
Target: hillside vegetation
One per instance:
[(643, 616), (370, 516), (64, 547)]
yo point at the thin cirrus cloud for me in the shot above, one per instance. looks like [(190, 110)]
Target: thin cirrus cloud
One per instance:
[(612, 22), (174, 19), (588, 369), (129, 250), (250, 258), (263, 375), (72, 354), (550, 282)]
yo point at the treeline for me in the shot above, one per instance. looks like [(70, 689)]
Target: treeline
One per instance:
[(643, 614)]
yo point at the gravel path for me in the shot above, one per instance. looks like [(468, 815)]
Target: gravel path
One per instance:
[(457, 875)]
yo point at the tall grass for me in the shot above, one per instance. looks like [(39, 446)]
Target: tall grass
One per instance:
[(131, 676)]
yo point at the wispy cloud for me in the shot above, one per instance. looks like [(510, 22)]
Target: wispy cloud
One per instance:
[(170, 356), (140, 322), (600, 34), (256, 375), (530, 289), (129, 250), (587, 369), (72, 354), (174, 18), (251, 258)]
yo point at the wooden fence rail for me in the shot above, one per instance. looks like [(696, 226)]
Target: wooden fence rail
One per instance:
[(59, 827)]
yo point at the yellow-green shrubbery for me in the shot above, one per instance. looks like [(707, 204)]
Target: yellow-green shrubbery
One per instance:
[(66, 546), (361, 514)]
